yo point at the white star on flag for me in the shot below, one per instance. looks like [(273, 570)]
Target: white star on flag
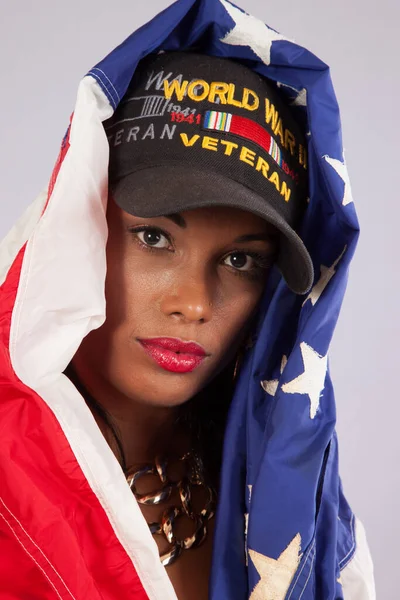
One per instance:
[(276, 575), (341, 170), (271, 386), (326, 275), (301, 98), (251, 32), (312, 380)]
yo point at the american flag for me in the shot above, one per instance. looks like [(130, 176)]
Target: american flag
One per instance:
[(70, 527)]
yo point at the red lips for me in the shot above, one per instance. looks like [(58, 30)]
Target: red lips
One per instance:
[(177, 345), (173, 354)]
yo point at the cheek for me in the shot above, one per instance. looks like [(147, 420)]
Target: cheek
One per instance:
[(234, 321), (130, 288)]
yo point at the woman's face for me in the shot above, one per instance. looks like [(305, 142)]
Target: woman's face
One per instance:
[(197, 276)]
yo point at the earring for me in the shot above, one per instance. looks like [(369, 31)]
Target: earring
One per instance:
[(247, 344), (237, 365)]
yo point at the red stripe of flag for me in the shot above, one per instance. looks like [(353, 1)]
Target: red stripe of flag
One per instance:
[(57, 541)]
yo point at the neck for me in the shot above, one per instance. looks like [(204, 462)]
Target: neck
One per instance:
[(137, 431)]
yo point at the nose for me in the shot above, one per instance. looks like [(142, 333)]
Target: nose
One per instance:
[(189, 298)]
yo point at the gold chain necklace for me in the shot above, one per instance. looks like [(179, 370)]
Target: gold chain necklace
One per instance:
[(193, 477)]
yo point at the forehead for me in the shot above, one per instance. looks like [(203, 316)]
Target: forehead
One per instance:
[(218, 216)]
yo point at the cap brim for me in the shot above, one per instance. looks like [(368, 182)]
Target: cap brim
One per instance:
[(154, 191)]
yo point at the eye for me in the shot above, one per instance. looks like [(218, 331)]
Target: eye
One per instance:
[(152, 237), (240, 261), (249, 264)]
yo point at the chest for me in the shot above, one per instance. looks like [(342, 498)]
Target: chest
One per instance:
[(190, 572)]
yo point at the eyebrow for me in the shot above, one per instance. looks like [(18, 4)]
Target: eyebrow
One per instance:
[(177, 219), (250, 237)]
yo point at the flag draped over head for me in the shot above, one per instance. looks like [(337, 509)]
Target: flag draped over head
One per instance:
[(70, 527)]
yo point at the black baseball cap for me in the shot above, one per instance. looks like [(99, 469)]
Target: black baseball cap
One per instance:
[(195, 130)]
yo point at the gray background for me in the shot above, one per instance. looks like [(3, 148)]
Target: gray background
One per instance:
[(47, 46)]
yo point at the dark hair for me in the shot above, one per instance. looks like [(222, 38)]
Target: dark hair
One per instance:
[(205, 416)]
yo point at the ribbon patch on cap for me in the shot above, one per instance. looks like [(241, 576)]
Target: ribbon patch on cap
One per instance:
[(245, 128)]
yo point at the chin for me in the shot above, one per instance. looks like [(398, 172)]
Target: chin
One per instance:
[(158, 387)]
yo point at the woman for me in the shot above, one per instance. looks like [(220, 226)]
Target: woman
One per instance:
[(183, 287), (163, 360)]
